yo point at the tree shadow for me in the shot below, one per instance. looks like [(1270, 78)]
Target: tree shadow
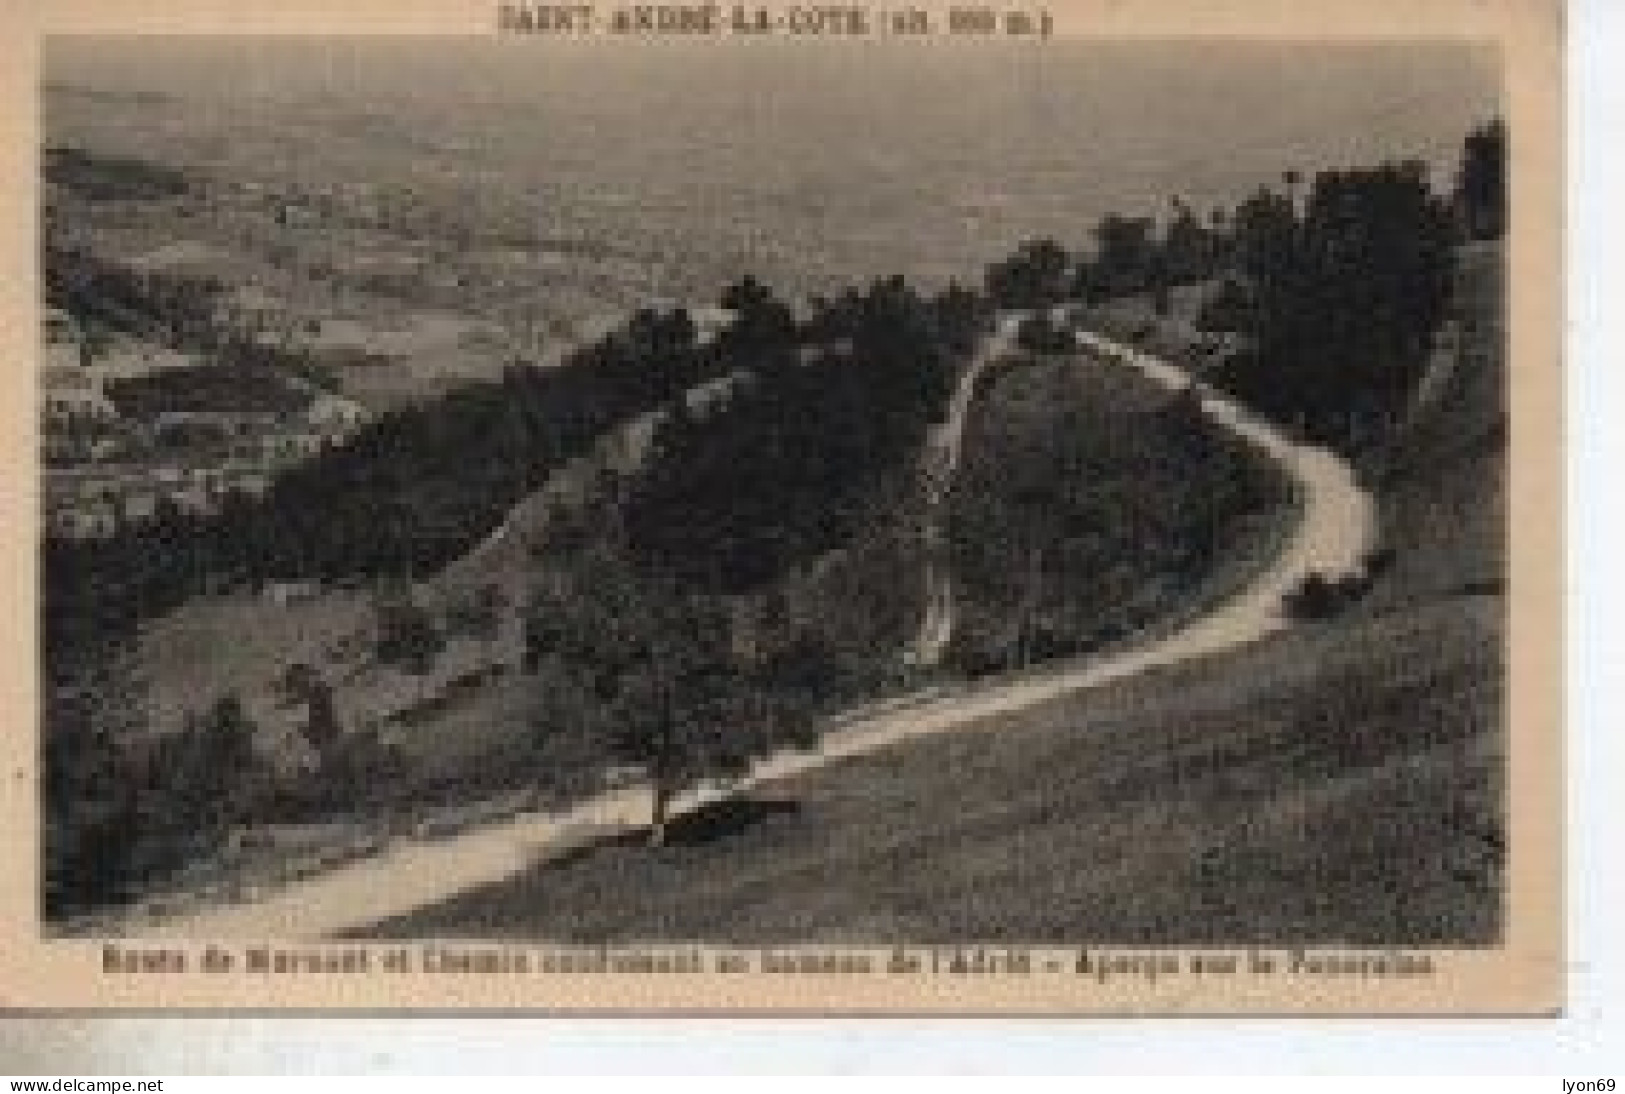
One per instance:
[(723, 819), (708, 824)]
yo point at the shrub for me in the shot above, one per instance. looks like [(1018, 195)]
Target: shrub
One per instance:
[(1230, 308), (477, 612), (1378, 561), (1320, 597), (1039, 334), (407, 636), (1316, 597), (118, 818)]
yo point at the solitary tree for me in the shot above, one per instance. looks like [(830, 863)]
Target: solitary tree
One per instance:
[(659, 664)]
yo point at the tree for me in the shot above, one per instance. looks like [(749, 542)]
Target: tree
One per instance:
[(304, 684), (1187, 248), (1162, 301), (1036, 276), (92, 713), (477, 611), (763, 333), (658, 665), (1346, 299), (1230, 309), (1125, 255), (748, 296), (662, 340), (206, 775), (961, 317), (406, 633), (1481, 182), (1265, 227), (1039, 334)]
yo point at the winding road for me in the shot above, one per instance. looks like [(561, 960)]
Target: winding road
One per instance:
[(1334, 532)]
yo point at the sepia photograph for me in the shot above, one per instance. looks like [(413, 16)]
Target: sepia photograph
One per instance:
[(671, 487)]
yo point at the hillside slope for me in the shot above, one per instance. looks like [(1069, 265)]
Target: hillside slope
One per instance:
[(1340, 782), (1442, 483), (1270, 794)]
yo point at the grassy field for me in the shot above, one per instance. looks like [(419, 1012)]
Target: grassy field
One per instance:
[(212, 646), (1093, 503), (1332, 785)]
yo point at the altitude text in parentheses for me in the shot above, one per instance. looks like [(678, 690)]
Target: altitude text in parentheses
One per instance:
[(909, 22), (1021, 23)]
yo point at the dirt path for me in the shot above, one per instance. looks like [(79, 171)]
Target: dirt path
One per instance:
[(1336, 529), (943, 448)]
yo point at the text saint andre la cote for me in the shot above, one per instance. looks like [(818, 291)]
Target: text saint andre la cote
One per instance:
[(681, 19)]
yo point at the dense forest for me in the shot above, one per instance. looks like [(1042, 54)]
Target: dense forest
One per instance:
[(1333, 287), (780, 473)]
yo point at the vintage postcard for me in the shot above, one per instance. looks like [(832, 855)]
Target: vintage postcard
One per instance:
[(1036, 507)]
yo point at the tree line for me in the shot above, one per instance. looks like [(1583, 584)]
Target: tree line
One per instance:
[(779, 474), (1334, 285), (98, 177)]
